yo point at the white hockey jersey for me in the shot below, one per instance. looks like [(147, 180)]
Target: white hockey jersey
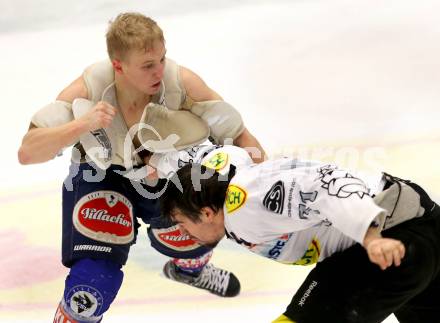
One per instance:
[(299, 212), (292, 211)]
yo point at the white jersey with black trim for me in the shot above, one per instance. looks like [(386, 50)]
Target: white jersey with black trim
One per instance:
[(299, 212)]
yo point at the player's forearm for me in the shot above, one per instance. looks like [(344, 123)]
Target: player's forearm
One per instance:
[(248, 141), (42, 144)]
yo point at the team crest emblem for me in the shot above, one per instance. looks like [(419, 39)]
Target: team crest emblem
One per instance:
[(341, 184), (217, 162), (235, 198), (85, 300)]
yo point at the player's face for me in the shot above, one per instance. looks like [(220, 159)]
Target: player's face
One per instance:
[(208, 231), (144, 69)]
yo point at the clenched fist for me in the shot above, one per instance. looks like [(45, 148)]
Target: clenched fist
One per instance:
[(100, 116), (383, 251)]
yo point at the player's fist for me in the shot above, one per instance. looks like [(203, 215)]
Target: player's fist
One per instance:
[(100, 116), (385, 252)]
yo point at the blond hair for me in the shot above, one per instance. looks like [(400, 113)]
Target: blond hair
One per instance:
[(129, 31)]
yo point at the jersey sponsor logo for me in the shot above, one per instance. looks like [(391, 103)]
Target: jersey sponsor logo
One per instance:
[(311, 256), (274, 199), (290, 197), (105, 216), (173, 238), (235, 198), (218, 161), (84, 300), (275, 252), (341, 184)]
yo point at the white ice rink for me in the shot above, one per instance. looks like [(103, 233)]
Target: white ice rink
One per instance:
[(355, 82)]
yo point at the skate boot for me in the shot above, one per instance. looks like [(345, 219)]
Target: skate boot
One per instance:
[(215, 280)]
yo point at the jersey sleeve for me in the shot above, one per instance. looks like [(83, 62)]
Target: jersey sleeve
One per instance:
[(339, 199)]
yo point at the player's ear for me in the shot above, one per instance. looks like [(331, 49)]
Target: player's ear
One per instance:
[(117, 65), (207, 214)]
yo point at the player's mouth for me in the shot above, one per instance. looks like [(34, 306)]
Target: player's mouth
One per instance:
[(156, 85)]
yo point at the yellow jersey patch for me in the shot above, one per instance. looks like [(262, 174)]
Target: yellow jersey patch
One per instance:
[(218, 161), (311, 256), (235, 198)]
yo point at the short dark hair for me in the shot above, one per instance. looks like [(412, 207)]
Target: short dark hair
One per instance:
[(210, 191)]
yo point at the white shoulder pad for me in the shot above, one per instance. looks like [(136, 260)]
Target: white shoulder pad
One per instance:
[(98, 77), (175, 93), (223, 119), (53, 115)]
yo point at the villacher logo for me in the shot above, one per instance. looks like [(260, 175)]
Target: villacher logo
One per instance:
[(105, 216)]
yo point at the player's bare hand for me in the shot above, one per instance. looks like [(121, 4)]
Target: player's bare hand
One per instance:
[(385, 252), (100, 116)]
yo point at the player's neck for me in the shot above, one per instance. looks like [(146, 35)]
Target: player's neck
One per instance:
[(130, 98)]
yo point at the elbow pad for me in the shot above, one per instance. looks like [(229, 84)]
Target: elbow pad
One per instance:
[(222, 118), (53, 115)]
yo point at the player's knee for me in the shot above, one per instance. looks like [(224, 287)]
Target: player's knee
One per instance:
[(90, 288)]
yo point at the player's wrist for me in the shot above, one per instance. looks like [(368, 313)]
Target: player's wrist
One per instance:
[(81, 126), (373, 233)]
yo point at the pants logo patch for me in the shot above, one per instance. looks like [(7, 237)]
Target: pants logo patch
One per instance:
[(105, 216)]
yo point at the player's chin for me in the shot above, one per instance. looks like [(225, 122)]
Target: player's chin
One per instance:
[(211, 245)]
